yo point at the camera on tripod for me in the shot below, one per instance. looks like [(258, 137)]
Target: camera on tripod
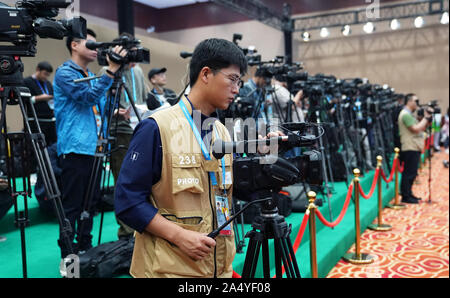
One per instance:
[(19, 25), (255, 172), (136, 53)]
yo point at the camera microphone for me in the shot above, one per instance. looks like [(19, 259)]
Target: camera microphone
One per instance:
[(185, 55)]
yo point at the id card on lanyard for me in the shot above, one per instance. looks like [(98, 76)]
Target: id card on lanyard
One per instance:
[(221, 199)]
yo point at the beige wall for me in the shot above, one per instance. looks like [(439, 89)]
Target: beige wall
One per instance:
[(410, 60)]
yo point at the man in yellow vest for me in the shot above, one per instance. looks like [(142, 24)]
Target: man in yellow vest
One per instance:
[(170, 183)]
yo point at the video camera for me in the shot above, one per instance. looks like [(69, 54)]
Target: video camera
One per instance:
[(256, 172), (19, 25), (136, 53)]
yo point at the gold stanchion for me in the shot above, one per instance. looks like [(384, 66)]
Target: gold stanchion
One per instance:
[(357, 257), (312, 233), (380, 226), (397, 205)]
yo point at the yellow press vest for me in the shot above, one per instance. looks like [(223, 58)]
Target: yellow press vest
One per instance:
[(409, 141), (185, 196)]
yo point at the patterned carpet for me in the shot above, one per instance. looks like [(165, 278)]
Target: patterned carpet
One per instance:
[(418, 244)]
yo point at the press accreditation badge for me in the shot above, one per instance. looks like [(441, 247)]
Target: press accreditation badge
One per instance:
[(223, 214)]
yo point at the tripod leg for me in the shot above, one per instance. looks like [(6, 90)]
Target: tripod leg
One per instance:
[(265, 253), (251, 259), (292, 255), (286, 258)]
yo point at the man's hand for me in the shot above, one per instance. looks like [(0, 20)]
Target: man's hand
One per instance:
[(43, 97), (3, 184), (266, 149), (298, 98), (196, 245), (123, 113), (113, 67)]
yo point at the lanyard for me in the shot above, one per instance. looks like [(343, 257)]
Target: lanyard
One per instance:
[(134, 86), (40, 87), (158, 96), (201, 143)]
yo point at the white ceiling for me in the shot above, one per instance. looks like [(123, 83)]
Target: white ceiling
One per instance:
[(168, 3)]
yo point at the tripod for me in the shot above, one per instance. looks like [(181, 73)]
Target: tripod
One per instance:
[(11, 94), (104, 143), (314, 116), (269, 225)]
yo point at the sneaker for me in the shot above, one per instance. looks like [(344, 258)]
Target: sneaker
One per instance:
[(410, 201), (446, 150)]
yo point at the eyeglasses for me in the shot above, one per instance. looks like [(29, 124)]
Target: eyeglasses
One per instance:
[(235, 79)]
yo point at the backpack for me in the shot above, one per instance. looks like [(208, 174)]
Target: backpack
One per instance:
[(108, 259)]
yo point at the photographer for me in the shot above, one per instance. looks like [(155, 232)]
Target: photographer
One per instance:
[(412, 141), (253, 89), (168, 187), (159, 96), (77, 111), (42, 98), (282, 97)]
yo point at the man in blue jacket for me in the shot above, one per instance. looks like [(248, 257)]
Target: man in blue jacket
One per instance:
[(78, 109)]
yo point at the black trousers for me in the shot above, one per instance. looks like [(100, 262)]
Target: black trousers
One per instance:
[(76, 173), (411, 160)]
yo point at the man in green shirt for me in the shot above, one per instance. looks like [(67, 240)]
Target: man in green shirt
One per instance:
[(412, 141)]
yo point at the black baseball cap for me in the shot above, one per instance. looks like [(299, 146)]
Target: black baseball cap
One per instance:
[(156, 71)]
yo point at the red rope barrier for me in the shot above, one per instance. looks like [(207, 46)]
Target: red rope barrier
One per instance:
[(235, 275), (343, 211), (391, 176), (372, 188), (401, 167), (301, 231)]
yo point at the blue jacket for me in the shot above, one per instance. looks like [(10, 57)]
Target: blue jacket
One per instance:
[(76, 125)]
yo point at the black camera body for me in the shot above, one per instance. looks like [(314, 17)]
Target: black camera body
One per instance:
[(136, 53), (19, 25), (260, 173)]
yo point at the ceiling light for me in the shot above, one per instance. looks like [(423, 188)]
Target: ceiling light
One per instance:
[(369, 27), (346, 30), (324, 32), (419, 22), (306, 36), (444, 18), (395, 24)]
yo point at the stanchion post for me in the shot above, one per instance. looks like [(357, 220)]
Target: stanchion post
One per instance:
[(312, 233), (357, 257), (380, 226), (397, 205)]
